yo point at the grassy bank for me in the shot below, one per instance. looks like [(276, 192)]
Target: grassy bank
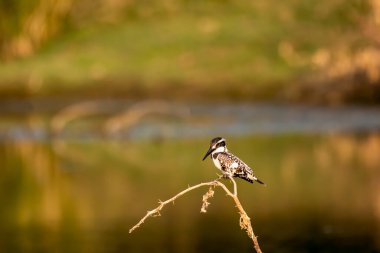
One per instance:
[(246, 50)]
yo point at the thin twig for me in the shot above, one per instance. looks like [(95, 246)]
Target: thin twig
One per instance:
[(245, 221), (206, 196), (235, 186), (156, 211)]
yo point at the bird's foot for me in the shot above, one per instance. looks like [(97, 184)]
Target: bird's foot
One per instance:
[(219, 176), (224, 176)]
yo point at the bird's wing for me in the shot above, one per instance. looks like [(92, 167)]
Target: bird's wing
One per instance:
[(242, 169), (230, 161), (234, 166)]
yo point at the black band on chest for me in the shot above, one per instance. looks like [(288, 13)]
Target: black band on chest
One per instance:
[(215, 155)]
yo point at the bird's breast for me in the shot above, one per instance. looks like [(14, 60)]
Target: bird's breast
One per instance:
[(216, 162)]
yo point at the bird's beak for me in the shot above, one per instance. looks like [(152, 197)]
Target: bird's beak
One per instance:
[(209, 151)]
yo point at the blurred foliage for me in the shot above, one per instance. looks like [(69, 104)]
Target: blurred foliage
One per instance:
[(227, 48), (26, 25), (348, 70)]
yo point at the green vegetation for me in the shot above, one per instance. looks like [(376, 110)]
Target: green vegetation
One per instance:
[(205, 47)]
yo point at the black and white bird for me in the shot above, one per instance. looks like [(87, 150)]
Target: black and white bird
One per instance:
[(229, 164)]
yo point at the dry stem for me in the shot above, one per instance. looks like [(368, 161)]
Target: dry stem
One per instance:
[(205, 197), (245, 221)]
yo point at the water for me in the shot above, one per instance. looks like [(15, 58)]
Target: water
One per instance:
[(117, 118), (79, 184)]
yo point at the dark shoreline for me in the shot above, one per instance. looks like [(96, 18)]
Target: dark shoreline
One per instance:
[(329, 93)]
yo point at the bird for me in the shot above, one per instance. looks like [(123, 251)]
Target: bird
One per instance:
[(229, 164)]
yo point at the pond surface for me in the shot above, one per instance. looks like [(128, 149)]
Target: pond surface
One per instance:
[(76, 176), (120, 119)]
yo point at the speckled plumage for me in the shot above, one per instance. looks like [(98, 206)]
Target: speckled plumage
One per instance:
[(229, 164)]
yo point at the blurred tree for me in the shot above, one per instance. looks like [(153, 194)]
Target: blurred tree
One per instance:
[(25, 25), (337, 40)]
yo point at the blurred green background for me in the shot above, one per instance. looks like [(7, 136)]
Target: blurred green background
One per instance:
[(107, 106), (288, 50)]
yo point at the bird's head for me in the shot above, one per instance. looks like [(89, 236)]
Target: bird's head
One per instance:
[(217, 145)]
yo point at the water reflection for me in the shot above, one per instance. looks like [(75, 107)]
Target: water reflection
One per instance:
[(323, 194), (123, 119)]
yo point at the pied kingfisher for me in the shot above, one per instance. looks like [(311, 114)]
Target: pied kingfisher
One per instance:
[(229, 164)]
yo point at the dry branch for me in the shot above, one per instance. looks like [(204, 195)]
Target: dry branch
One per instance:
[(245, 221)]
